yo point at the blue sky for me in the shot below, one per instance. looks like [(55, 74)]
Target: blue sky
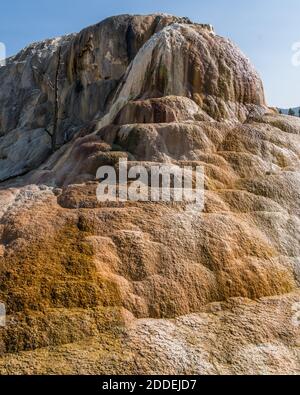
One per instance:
[(265, 30)]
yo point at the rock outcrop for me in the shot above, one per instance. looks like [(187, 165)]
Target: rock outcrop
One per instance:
[(146, 287), (52, 89)]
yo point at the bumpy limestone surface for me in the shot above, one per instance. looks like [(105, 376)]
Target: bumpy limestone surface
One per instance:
[(53, 87), (146, 287), (58, 86)]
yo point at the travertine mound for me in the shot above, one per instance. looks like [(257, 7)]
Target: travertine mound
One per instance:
[(52, 89), (146, 287)]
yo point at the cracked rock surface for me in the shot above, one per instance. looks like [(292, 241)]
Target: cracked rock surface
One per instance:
[(146, 288)]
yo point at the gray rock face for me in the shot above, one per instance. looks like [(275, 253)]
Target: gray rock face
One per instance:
[(22, 151), (57, 86)]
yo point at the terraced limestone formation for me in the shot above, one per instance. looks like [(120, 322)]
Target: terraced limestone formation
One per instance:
[(143, 287)]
